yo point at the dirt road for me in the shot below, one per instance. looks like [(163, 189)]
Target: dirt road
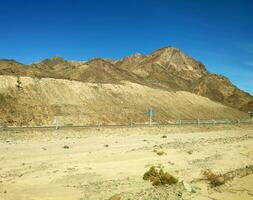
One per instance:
[(97, 164)]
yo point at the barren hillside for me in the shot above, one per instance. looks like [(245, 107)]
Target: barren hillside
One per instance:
[(112, 91), (39, 101), (167, 68)]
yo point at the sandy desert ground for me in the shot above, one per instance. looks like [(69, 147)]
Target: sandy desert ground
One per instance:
[(110, 163)]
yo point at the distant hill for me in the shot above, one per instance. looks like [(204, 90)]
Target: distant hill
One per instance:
[(117, 90)]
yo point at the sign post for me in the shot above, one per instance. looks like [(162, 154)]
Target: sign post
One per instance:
[(151, 113), (56, 123)]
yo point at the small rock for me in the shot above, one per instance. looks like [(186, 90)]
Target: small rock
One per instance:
[(190, 152), (179, 194), (170, 162), (187, 186), (193, 190)]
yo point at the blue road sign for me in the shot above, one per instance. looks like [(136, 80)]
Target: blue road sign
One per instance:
[(151, 112)]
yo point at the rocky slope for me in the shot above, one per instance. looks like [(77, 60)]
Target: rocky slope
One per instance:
[(75, 102), (116, 91)]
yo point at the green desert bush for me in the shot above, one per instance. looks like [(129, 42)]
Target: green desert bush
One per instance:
[(150, 174), (159, 177)]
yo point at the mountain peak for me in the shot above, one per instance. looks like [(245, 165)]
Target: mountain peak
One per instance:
[(132, 60), (50, 62), (167, 51), (168, 48), (178, 63), (57, 58)]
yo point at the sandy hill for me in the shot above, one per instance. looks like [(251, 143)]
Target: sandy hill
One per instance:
[(112, 91)]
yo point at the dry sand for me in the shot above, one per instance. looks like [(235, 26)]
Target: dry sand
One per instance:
[(101, 163)]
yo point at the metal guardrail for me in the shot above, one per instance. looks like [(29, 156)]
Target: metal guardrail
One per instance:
[(132, 124), (214, 121)]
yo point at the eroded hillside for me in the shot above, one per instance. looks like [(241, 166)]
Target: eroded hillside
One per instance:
[(38, 101)]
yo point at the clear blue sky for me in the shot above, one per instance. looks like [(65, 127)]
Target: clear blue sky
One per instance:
[(218, 33)]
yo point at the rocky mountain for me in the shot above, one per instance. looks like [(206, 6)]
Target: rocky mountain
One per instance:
[(167, 79)]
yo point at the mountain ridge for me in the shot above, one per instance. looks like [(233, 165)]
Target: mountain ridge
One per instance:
[(167, 68)]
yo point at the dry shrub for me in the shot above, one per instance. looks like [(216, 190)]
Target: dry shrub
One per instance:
[(160, 153), (159, 177), (190, 152), (164, 136), (115, 197), (215, 179)]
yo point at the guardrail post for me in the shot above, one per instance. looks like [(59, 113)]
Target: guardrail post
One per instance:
[(57, 125), (198, 122), (158, 122), (98, 124), (131, 123)]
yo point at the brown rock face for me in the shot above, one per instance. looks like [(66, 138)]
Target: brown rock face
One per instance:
[(167, 70)]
